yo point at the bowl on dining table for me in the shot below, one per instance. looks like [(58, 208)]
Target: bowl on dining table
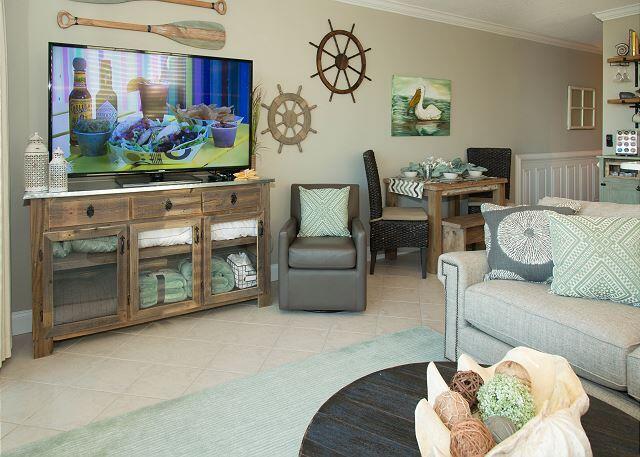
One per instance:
[(410, 174), (447, 175), (475, 173)]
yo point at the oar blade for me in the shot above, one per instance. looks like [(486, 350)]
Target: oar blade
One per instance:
[(200, 34)]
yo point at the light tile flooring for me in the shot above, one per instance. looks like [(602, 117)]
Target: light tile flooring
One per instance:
[(99, 376)]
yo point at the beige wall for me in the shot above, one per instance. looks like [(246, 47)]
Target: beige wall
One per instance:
[(506, 92), (615, 116)]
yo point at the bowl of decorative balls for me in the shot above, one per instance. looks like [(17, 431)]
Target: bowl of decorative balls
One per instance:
[(529, 404)]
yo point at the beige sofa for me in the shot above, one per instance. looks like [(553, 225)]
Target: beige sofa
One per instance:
[(601, 339)]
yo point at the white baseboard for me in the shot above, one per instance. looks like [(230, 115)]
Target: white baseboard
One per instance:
[(21, 322)]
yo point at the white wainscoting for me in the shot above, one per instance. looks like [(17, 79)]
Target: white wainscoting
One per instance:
[(556, 174)]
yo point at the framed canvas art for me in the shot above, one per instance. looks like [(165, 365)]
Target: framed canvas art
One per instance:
[(420, 106)]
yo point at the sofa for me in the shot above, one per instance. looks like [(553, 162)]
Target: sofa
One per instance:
[(601, 339)]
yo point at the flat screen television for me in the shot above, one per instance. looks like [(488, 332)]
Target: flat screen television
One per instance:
[(117, 111)]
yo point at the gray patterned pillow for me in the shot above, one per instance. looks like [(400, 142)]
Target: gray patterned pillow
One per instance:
[(518, 242)]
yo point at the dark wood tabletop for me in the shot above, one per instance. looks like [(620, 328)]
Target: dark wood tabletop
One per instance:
[(374, 416)]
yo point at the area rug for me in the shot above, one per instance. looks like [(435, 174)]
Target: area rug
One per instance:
[(261, 415)]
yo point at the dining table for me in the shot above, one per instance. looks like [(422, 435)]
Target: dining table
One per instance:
[(434, 191)]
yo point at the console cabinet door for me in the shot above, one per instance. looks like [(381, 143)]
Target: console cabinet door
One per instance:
[(84, 279), (166, 263), (233, 257)]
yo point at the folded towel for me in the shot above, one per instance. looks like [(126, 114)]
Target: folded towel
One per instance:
[(222, 277), (61, 249), (165, 237), (185, 267), (162, 286), (234, 229), (95, 245)]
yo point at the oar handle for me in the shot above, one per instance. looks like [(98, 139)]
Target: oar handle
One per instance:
[(66, 20), (220, 6)]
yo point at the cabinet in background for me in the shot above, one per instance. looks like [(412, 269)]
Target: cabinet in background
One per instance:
[(616, 184)]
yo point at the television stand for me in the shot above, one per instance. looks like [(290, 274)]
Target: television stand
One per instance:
[(156, 179)]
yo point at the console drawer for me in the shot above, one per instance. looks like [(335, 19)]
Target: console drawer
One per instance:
[(65, 212), (181, 203), (247, 198)]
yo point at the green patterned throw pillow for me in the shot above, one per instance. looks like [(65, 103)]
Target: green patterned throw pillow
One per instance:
[(324, 212), (596, 257)]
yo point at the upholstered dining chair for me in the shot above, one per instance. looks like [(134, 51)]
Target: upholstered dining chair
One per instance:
[(323, 273), (393, 227), (497, 161)]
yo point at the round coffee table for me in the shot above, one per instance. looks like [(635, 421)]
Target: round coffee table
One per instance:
[(374, 416)]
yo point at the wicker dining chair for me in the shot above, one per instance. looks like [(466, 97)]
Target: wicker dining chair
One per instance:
[(392, 227), (497, 161)]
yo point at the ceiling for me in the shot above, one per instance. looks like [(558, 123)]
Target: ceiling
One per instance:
[(568, 23)]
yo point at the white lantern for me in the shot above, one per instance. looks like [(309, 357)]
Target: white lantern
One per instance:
[(58, 179), (36, 165)]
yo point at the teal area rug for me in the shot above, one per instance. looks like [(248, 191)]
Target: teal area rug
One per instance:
[(262, 415)]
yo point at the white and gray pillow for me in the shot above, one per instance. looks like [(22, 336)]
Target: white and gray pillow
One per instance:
[(518, 242)]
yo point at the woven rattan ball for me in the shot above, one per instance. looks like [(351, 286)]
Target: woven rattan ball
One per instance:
[(511, 368), (451, 407), (467, 383), (470, 438)]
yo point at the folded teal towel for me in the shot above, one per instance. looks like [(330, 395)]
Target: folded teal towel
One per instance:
[(61, 249), (95, 245), (162, 286), (186, 269), (222, 277)]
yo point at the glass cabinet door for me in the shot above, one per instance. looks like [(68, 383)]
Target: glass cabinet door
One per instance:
[(85, 279), (165, 267), (232, 260)]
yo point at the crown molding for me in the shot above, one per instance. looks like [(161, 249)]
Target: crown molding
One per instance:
[(617, 13), (393, 6)]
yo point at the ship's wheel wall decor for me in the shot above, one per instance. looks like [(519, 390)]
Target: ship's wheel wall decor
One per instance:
[(289, 119), (344, 60)]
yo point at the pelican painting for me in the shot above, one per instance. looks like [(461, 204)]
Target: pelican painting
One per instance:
[(421, 106)]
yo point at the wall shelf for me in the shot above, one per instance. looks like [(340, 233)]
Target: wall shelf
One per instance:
[(624, 101), (623, 59)]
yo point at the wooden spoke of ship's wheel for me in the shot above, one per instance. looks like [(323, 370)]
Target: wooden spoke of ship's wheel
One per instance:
[(341, 61)]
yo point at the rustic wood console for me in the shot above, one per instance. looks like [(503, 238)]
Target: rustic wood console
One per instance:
[(112, 258)]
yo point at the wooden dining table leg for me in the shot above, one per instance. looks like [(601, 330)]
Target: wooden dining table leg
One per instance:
[(391, 199), (434, 212), (499, 195)]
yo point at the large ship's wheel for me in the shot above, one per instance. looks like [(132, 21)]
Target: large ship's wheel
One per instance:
[(289, 119), (347, 59)]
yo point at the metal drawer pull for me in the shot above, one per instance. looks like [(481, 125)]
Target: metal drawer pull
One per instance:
[(121, 244), (260, 228), (196, 239), (90, 211), (234, 198), (638, 188), (168, 205)]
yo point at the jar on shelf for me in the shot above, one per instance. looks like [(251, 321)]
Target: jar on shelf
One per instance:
[(36, 165), (58, 179)]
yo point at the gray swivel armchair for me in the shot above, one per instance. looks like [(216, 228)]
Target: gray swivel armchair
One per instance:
[(323, 273)]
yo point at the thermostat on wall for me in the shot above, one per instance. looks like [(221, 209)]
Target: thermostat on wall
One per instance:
[(627, 142)]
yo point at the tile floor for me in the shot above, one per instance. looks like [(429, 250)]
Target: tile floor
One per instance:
[(99, 376)]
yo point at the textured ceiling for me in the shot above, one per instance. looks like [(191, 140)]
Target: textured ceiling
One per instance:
[(571, 20)]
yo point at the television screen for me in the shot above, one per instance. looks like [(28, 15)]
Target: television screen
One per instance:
[(121, 111)]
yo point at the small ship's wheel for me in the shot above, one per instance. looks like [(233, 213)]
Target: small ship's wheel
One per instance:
[(289, 118), (347, 59)]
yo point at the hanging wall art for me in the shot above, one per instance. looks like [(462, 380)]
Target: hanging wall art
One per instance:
[(289, 119), (420, 106), (339, 55), (219, 7), (199, 34)]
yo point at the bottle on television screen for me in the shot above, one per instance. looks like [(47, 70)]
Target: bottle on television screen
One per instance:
[(80, 103), (106, 98)]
